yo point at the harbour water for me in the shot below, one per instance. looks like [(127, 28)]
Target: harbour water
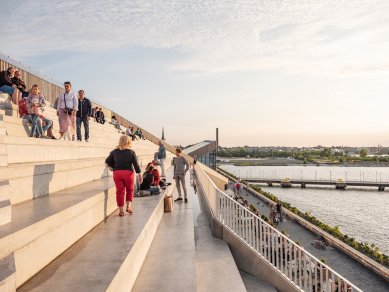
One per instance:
[(362, 213)]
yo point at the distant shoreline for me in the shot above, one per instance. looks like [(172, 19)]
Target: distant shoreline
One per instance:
[(295, 162)]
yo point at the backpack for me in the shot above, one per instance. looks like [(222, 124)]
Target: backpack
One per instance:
[(23, 110)]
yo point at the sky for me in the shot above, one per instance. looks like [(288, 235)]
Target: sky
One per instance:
[(291, 73)]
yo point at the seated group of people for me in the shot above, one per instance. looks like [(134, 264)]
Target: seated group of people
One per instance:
[(72, 110), (115, 123), (98, 115), (134, 135), (151, 180), (11, 83), (31, 109)]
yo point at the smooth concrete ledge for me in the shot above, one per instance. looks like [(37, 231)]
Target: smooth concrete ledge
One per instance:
[(170, 264), (252, 263), (358, 256), (7, 274), (212, 254), (42, 229), (253, 284), (109, 257), (5, 212), (245, 258), (5, 204), (218, 179), (28, 181), (19, 149)]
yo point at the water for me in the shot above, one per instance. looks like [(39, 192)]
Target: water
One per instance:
[(360, 213)]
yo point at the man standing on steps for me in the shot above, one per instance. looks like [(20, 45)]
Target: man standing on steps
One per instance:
[(162, 157), (83, 115), (181, 167)]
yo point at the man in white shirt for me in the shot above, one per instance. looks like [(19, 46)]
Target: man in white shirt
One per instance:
[(66, 111)]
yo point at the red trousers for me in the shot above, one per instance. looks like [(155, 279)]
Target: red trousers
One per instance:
[(124, 182)]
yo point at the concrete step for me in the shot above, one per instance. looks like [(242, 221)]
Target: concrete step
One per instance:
[(28, 181), (215, 266), (44, 228), (14, 119), (17, 127), (253, 284), (24, 130), (20, 150), (12, 110), (7, 273), (170, 264), (5, 203), (109, 257)]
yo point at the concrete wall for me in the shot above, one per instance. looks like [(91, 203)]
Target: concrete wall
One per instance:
[(246, 259), (250, 262)]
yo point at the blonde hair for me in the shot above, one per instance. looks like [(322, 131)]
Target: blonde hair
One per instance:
[(124, 143), (35, 86)]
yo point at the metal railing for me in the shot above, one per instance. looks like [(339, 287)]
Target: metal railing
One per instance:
[(300, 267)]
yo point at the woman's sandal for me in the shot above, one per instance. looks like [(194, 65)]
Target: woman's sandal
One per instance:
[(129, 210), (121, 214)]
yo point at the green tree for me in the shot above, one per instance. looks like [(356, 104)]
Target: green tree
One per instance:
[(363, 153)]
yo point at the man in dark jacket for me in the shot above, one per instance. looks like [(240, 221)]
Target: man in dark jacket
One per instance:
[(17, 80), (83, 115), (100, 116)]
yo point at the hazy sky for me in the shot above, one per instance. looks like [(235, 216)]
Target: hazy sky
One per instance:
[(264, 72)]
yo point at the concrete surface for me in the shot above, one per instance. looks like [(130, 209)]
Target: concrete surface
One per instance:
[(95, 260), (252, 284), (215, 266), (170, 264)]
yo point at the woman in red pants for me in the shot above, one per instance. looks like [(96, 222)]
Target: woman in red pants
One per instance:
[(123, 161)]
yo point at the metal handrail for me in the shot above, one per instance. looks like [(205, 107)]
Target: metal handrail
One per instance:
[(300, 267)]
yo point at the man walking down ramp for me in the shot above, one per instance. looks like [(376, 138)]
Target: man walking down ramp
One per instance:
[(181, 167)]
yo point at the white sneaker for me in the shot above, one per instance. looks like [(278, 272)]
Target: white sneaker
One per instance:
[(86, 140)]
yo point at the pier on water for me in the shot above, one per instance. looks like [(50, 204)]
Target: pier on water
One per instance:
[(338, 183)]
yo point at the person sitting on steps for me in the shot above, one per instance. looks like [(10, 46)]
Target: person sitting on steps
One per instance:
[(148, 183), (35, 103), (115, 123), (7, 86), (17, 80), (100, 118)]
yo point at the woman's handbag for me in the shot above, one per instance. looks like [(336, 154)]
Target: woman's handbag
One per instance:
[(168, 204)]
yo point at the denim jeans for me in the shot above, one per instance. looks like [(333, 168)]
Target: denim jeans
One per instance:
[(37, 129), (85, 121), (36, 125)]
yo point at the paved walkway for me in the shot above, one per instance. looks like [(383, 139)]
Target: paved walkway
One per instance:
[(340, 262)]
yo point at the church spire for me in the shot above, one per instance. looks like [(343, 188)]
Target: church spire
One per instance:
[(163, 133)]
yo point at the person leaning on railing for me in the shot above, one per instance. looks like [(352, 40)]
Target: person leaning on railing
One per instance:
[(123, 162), (7, 86)]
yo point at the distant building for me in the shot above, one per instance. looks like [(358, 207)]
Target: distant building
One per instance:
[(205, 152)]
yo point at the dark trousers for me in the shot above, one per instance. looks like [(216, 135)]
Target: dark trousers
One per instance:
[(85, 121)]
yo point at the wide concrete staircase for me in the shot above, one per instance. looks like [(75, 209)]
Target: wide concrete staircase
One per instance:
[(59, 229)]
